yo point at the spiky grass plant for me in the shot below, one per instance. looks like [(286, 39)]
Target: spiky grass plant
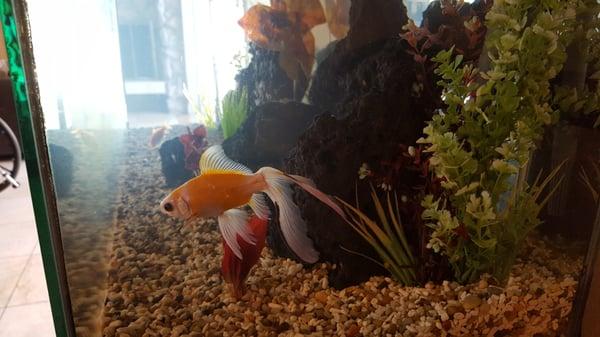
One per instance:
[(235, 111), (591, 180), (387, 237), (203, 111)]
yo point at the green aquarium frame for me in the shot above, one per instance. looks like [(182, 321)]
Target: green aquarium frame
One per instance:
[(15, 26), (16, 29)]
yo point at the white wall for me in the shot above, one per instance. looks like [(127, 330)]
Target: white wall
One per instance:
[(76, 50)]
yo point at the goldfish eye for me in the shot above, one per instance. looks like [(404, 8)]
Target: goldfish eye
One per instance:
[(168, 207)]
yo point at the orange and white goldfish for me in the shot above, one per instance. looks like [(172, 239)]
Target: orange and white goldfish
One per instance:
[(224, 186)]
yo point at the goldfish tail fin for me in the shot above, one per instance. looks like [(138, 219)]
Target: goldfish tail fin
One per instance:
[(309, 186), (278, 189), (292, 224)]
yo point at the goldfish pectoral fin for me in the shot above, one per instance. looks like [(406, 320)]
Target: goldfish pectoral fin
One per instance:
[(259, 206), (292, 225), (214, 160), (233, 223)]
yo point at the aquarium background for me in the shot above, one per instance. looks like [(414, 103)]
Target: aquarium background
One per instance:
[(133, 91), (121, 52)]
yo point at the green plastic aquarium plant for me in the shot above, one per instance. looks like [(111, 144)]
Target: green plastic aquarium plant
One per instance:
[(387, 237), (204, 112), (480, 144), (235, 110)]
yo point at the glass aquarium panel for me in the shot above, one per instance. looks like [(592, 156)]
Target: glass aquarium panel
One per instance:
[(324, 167)]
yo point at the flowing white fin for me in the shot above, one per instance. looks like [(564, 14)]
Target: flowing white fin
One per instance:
[(304, 180), (259, 206), (309, 186), (292, 225), (214, 161), (232, 223)]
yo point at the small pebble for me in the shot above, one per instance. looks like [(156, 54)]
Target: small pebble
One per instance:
[(471, 302)]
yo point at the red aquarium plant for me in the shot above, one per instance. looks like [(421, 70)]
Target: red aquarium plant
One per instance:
[(194, 144), (285, 27), (458, 25), (234, 270)]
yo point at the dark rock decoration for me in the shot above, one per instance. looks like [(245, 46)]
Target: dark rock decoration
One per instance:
[(172, 158), (269, 133), (264, 79), (378, 92), (180, 156), (373, 92), (335, 73), (374, 20), (61, 161), (371, 22), (382, 111)]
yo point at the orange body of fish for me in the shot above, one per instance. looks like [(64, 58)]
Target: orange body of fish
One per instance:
[(210, 195)]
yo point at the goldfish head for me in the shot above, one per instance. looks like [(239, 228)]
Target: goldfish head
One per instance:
[(176, 205)]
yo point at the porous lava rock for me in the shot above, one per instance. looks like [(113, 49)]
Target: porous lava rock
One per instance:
[(264, 79), (379, 111), (367, 86), (172, 158), (375, 96), (372, 22), (269, 133)]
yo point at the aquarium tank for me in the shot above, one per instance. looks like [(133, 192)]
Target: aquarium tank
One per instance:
[(315, 167)]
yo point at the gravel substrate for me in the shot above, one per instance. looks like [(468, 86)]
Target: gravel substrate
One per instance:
[(164, 280)]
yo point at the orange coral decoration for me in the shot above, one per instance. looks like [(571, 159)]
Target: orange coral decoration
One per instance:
[(285, 27), (338, 17)]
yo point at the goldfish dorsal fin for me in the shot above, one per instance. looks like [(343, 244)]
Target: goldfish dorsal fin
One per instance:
[(214, 161)]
